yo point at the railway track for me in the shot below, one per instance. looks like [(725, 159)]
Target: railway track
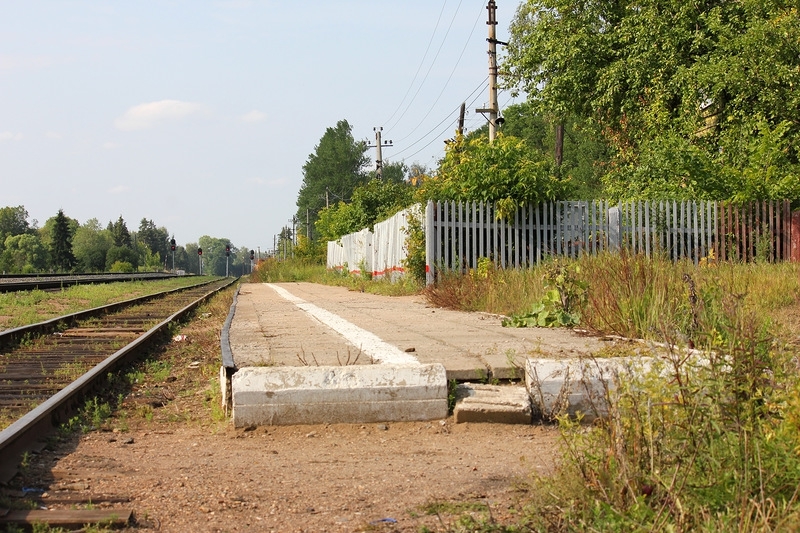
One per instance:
[(29, 282), (47, 369)]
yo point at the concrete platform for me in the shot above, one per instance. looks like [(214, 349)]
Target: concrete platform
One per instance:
[(307, 353), (336, 394)]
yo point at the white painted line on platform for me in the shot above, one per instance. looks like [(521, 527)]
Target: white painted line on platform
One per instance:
[(367, 342)]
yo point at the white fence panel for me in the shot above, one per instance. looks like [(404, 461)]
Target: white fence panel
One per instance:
[(352, 252), (381, 253), (389, 244)]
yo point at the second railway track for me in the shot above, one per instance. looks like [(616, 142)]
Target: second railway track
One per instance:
[(43, 377)]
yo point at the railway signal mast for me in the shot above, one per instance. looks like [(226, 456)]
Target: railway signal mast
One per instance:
[(172, 248), (227, 258), (200, 259)]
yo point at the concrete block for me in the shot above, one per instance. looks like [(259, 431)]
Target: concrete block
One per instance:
[(338, 394), (491, 403), (573, 386)]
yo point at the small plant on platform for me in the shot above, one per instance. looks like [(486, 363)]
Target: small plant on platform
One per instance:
[(561, 304)]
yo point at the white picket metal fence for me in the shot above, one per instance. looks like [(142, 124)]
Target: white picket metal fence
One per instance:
[(458, 234)]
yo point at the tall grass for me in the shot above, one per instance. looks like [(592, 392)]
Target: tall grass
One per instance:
[(629, 295)]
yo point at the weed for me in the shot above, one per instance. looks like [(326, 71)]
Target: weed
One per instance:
[(695, 443), (452, 387)]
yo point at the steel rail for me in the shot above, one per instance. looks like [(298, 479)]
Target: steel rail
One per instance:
[(29, 282), (22, 434), (11, 336)]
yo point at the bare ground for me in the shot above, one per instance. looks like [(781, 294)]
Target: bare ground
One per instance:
[(169, 455)]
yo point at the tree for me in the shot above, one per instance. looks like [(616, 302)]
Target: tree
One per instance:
[(120, 234), (676, 88), (13, 221), (585, 155), (23, 253), (333, 171), (90, 244), (505, 171), (156, 239), (61, 254)]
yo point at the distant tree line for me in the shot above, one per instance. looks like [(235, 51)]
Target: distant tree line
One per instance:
[(63, 244)]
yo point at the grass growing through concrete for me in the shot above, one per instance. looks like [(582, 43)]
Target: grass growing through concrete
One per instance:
[(28, 307)]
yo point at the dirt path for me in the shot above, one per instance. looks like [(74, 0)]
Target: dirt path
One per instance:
[(168, 455)]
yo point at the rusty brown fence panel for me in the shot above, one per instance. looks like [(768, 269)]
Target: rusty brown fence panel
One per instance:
[(754, 231)]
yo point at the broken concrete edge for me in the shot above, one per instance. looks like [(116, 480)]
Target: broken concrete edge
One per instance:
[(552, 387), (224, 337), (338, 394)]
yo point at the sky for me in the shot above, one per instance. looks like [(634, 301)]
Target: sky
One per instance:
[(199, 115)]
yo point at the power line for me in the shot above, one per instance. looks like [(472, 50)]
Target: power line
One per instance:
[(424, 56), (429, 68), (450, 77), (478, 88), (442, 132)]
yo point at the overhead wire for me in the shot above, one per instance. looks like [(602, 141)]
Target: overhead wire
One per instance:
[(476, 89), (422, 62), (442, 132), (430, 67), (450, 77)]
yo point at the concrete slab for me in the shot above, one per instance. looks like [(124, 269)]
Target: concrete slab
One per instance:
[(576, 386), (336, 394), (471, 346), (268, 330), (492, 403)]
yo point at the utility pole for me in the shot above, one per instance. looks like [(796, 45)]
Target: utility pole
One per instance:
[(461, 118), (378, 154), (493, 109)]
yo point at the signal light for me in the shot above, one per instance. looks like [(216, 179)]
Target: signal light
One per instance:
[(252, 255), (199, 251), (227, 250), (172, 244)]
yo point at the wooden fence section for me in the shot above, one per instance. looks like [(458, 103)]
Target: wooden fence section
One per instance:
[(458, 234)]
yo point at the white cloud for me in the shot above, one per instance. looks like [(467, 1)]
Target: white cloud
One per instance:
[(269, 183), (119, 189), (254, 116), (144, 116), (8, 136)]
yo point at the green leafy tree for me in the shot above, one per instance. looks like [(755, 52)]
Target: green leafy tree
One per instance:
[(121, 254), (61, 256), (332, 172), (691, 96), (505, 171), (156, 239), (90, 244), (23, 253), (13, 221)]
